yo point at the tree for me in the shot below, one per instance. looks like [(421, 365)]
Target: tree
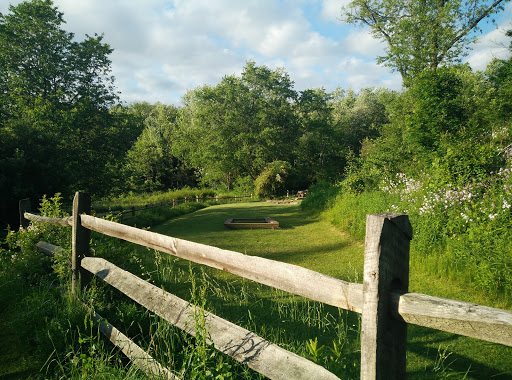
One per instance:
[(421, 34), (319, 153), (499, 72), (358, 116), (39, 60), (57, 133), (150, 162), (234, 129)]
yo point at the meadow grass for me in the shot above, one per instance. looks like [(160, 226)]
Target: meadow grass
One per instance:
[(311, 241), (68, 346)]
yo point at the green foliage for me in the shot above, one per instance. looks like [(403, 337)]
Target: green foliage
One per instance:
[(239, 126), (56, 131), (150, 162), (21, 254), (438, 108), (320, 197), (272, 180), (420, 35), (116, 203)]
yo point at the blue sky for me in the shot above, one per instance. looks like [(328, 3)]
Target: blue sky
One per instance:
[(162, 48)]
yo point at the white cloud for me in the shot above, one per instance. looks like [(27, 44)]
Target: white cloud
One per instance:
[(331, 9), (360, 41), (164, 47), (494, 44)]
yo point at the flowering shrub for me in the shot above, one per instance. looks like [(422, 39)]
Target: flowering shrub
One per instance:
[(470, 223)]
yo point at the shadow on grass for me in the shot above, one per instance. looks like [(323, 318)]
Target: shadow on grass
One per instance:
[(448, 356)]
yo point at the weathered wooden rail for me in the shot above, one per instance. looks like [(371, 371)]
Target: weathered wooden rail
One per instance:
[(383, 298)]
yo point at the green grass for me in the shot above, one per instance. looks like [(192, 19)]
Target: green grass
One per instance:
[(307, 240), (322, 333), (302, 238)]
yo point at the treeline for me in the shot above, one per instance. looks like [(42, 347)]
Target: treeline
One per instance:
[(445, 159), (62, 127), (252, 133)]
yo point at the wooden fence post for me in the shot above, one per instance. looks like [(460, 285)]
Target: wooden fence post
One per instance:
[(197, 198), (80, 237), (133, 210), (216, 198), (24, 205), (386, 268), (173, 203)]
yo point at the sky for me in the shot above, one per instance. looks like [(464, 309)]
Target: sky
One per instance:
[(162, 48)]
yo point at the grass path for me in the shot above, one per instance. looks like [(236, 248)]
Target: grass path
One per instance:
[(302, 239), (307, 240)]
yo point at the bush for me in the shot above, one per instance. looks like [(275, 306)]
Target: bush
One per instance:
[(320, 197), (271, 181)]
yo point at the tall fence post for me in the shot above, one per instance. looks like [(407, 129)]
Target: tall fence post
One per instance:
[(80, 237), (24, 206), (386, 268)]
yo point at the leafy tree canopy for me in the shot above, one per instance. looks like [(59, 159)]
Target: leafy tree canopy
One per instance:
[(57, 132), (421, 34)]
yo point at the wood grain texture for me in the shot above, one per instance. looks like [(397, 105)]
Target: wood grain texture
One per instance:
[(49, 249), (62, 222), (137, 355), (288, 277), (386, 268), (237, 342), (463, 318)]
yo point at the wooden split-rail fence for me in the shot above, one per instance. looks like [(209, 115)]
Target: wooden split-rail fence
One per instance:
[(383, 298), (131, 211)]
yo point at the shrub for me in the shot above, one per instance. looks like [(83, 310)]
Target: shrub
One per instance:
[(271, 181)]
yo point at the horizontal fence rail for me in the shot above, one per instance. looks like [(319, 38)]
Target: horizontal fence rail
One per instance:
[(383, 299), (458, 317), (62, 222), (288, 277), (132, 351), (241, 344)]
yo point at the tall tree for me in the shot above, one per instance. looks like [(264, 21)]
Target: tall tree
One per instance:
[(421, 34), (57, 133), (234, 129), (319, 152), (150, 163)]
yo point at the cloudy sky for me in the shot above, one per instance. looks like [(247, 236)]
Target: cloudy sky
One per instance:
[(164, 47)]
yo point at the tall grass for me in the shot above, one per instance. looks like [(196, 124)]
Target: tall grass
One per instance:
[(58, 340)]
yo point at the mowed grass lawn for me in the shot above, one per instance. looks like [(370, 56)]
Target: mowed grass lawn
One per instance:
[(302, 239), (306, 240)]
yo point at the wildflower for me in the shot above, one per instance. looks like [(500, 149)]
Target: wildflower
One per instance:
[(493, 216)]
